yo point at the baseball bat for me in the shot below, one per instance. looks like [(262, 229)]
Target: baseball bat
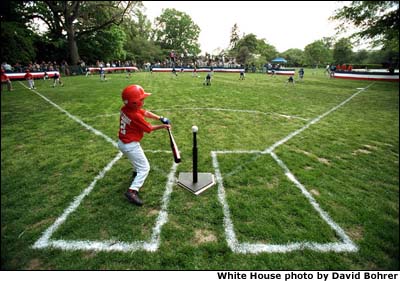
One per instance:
[(174, 147)]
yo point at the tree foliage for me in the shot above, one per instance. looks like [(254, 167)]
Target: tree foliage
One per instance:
[(243, 55), (377, 20), (139, 44), (176, 31), (235, 37), (294, 57), (317, 53), (343, 51), (105, 45), (17, 44), (250, 47), (73, 20)]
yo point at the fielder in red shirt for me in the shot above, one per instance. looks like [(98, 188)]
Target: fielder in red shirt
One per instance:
[(5, 80), (28, 76), (132, 128)]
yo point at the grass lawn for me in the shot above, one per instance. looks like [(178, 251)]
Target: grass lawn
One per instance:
[(314, 166)]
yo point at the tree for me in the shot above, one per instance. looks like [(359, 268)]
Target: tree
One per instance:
[(250, 41), (317, 53), (139, 45), (75, 19), (267, 51), (234, 37), (294, 57), (257, 48), (343, 51), (17, 44), (243, 55), (176, 31), (377, 20), (360, 57), (328, 42), (106, 45)]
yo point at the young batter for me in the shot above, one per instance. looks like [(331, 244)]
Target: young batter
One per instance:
[(131, 131)]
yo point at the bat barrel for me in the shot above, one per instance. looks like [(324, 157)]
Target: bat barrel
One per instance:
[(194, 157)]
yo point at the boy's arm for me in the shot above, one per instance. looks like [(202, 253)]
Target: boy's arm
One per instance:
[(158, 127), (151, 115)]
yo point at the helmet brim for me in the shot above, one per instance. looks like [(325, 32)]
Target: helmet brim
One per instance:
[(145, 95)]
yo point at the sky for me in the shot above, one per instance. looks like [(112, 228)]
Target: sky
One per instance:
[(284, 24)]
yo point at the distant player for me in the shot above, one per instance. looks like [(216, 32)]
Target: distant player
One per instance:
[(328, 70), (174, 72), (194, 73), (332, 71), (207, 81), (102, 74), (29, 77), (128, 73), (290, 80), (45, 76), (88, 71), (5, 80), (301, 74), (56, 79), (241, 77)]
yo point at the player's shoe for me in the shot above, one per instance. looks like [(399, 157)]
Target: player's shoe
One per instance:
[(133, 197)]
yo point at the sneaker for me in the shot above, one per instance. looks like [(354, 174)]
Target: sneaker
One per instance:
[(133, 197)]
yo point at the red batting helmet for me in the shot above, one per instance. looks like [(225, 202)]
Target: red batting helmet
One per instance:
[(132, 96)]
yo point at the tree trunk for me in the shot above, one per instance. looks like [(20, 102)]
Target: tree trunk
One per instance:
[(72, 46)]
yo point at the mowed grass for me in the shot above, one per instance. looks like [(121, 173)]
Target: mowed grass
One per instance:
[(348, 161)]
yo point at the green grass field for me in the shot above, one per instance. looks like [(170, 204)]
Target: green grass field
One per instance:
[(343, 150)]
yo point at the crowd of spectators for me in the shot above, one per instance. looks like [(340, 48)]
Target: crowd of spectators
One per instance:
[(37, 67), (82, 66)]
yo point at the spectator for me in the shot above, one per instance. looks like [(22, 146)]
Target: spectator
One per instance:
[(7, 68), (350, 68)]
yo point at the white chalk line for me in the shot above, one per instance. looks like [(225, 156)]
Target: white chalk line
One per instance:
[(76, 119), (153, 245), (346, 245), (270, 149), (216, 109), (44, 241), (108, 245), (313, 121)]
